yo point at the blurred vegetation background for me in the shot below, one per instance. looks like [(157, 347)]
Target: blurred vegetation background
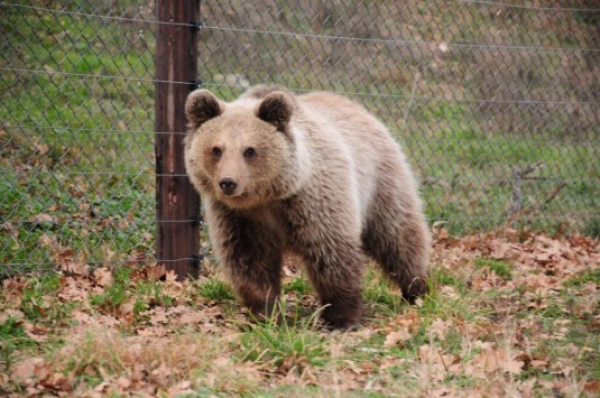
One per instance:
[(496, 103)]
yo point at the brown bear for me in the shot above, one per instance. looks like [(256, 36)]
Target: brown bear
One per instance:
[(314, 175)]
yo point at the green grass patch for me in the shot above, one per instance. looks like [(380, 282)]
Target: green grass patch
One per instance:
[(500, 268), (127, 288), (12, 339), (117, 293), (380, 293), (584, 277), (283, 347), (443, 277), (475, 174), (300, 285), (76, 149), (39, 302), (215, 289)]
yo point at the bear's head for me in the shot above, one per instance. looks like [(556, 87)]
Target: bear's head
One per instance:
[(245, 153)]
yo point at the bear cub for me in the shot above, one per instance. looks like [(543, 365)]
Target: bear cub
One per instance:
[(314, 175)]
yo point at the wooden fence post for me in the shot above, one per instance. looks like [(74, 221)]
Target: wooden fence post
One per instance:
[(177, 203)]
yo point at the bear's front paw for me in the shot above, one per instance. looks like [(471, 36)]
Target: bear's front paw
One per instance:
[(342, 326), (417, 288), (342, 318), (272, 315)]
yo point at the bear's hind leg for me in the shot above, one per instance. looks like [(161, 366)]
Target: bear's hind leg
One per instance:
[(399, 241)]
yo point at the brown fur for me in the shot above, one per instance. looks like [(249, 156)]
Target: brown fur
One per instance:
[(314, 175)]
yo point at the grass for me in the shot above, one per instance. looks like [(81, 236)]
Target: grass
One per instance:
[(588, 276), (285, 348), (479, 182), (131, 330), (500, 268), (35, 302), (117, 293), (76, 152), (13, 339), (215, 289)]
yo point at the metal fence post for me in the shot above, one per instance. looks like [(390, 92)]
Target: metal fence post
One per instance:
[(177, 203)]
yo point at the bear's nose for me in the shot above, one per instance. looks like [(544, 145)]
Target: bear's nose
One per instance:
[(228, 185)]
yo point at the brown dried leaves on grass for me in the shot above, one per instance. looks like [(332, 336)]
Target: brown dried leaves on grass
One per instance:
[(484, 331)]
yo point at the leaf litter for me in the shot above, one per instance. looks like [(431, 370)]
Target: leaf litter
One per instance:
[(511, 313)]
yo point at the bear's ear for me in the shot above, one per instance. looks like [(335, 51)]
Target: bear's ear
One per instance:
[(277, 108), (201, 106)]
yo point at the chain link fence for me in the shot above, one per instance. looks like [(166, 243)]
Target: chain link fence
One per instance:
[(497, 104)]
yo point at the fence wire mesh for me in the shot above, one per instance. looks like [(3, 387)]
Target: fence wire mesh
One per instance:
[(497, 104)]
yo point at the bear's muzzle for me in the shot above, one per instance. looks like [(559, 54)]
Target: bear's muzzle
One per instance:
[(228, 186)]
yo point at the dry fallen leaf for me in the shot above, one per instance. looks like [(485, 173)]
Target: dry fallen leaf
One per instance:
[(42, 217), (396, 337), (492, 360), (438, 328), (26, 371), (35, 332), (103, 277)]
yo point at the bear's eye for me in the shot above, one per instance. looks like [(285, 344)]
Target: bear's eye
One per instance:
[(250, 153), (216, 152)]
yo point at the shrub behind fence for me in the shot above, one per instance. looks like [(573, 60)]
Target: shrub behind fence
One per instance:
[(496, 103)]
